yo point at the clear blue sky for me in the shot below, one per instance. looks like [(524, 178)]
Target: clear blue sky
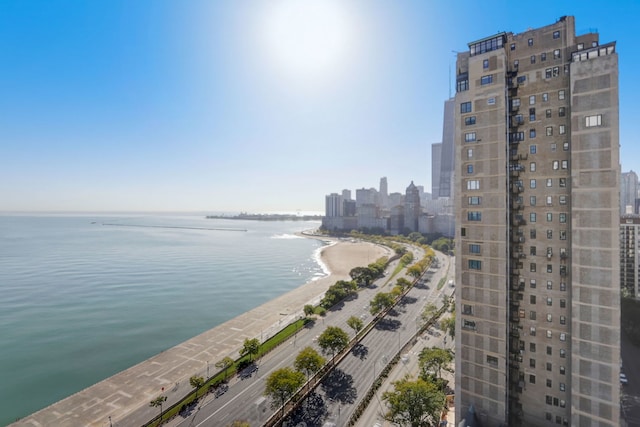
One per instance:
[(152, 105)]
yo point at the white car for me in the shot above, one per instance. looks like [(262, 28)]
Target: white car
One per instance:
[(623, 379)]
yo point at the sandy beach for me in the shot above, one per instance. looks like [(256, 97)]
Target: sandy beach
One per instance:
[(124, 397)]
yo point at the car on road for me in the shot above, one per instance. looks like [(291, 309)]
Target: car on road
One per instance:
[(623, 379)]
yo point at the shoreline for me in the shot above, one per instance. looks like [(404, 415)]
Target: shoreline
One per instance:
[(123, 394)]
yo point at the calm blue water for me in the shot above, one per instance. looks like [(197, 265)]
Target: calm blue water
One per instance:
[(81, 301)]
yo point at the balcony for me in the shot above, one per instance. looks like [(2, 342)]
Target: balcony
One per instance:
[(517, 239), (516, 189)]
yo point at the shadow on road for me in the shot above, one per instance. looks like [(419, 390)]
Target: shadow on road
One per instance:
[(388, 324), (311, 413), (338, 386), (360, 351)]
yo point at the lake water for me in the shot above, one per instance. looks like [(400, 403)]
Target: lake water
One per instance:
[(81, 300)]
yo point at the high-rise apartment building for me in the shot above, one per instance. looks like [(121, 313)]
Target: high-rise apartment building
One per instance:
[(412, 208), (436, 164), (629, 255), (537, 225), (628, 193), (447, 157)]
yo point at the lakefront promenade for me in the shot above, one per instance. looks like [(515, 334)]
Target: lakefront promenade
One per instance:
[(123, 399)]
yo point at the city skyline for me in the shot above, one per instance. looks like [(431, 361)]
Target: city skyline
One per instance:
[(254, 106)]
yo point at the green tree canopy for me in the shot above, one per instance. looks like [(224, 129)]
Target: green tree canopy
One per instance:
[(332, 340), (225, 364), (282, 384), (196, 382), (381, 301), (309, 361), (432, 361), (309, 310), (158, 401), (250, 347), (355, 323), (414, 403), (449, 325), (428, 312)]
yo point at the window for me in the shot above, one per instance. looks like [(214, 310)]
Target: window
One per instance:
[(547, 114), (562, 129), (532, 99), (564, 164), (532, 283), (532, 114), (533, 59), (553, 147), (549, 317), (543, 56), (532, 315), (561, 112), (522, 79), (532, 183), (549, 182), (591, 121), (562, 200), (556, 34), (513, 46), (556, 54), (474, 248), (473, 184), (562, 182), (556, 72), (549, 217), (563, 234), (549, 352), (580, 46), (549, 266), (563, 321), (486, 80), (465, 107), (549, 365), (469, 153), (563, 287), (469, 137), (532, 379), (562, 387), (532, 299), (563, 353), (467, 309), (565, 146), (474, 216), (547, 73), (532, 233), (532, 166), (463, 231), (549, 234), (530, 42), (532, 331), (549, 334), (532, 200), (549, 200), (485, 64), (549, 301), (555, 165), (471, 120), (475, 264), (549, 282), (492, 360), (545, 97), (562, 218), (516, 63), (462, 85), (548, 382), (533, 149), (561, 94), (469, 169), (532, 267), (562, 370), (532, 217), (532, 347), (469, 324), (563, 337), (532, 133), (549, 130), (515, 103), (475, 200)]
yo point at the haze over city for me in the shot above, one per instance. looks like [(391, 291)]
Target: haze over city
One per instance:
[(255, 106)]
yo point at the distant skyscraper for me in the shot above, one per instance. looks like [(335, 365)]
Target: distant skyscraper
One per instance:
[(366, 196), (537, 223), (436, 157), (346, 194), (412, 208), (447, 156), (333, 205), (628, 193), (384, 193), (630, 255)]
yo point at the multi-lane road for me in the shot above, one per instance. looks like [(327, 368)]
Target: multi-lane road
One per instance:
[(339, 394)]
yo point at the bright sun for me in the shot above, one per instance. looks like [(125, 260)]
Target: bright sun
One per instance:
[(308, 38)]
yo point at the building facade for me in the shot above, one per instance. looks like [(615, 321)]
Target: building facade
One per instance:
[(628, 193), (629, 255), (537, 223), (412, 208)]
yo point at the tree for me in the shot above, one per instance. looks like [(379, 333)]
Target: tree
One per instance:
[(415, 271), (282, 384), (432, 361), (196, 382), (449, 325), (414, 403), (158, 401), (428, 312), (332, 340), (380, 302), (403, 283), (309, 310), (240, 423), (309, 361), (225, 364), (355, 323), (250, 347)]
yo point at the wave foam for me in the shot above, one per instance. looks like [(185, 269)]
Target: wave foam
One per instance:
[(286, 236)]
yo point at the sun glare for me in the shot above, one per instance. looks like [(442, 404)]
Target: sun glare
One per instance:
[(308, 39)]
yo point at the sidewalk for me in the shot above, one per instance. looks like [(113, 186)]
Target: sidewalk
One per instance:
[(123, 399)]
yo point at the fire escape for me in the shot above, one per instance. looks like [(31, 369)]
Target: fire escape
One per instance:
[(517, 222)]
